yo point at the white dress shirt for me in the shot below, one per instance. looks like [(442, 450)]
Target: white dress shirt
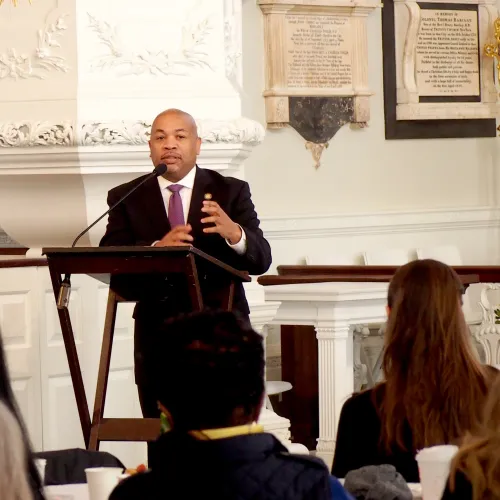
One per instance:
[(186, 193)]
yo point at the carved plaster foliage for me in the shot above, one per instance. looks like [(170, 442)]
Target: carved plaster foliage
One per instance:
[(488, 333), (26, 134), (232, 40), (43, 57), (317, 151), (182, 60), (233, 54), (366, 372), (360, 332), (242, 130), (103, 134), (29, 134)]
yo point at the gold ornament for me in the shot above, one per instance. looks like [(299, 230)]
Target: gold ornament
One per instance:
[(14, 2), (208, 196), (492, 49)]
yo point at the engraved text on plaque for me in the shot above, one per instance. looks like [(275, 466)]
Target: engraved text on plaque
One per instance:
[(447, 57), (319, 53)]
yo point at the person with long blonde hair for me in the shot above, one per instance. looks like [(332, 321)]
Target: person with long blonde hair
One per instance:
[(14, 479), (475, 470), (8, 400), (435, 385)]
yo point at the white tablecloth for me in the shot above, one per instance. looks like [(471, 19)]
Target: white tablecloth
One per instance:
[(80, 491), (67, 492)]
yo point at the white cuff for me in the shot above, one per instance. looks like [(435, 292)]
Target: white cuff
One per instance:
[(241, 247)]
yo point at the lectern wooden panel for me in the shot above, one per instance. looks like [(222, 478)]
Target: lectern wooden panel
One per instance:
[(133, 273)]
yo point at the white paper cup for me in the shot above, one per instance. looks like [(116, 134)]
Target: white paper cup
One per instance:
[(434, 469), (102, 481), (41, 463)]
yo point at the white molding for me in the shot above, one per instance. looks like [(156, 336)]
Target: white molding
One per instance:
[(326, 292), (321, 225), (224, 158), (25, 134)]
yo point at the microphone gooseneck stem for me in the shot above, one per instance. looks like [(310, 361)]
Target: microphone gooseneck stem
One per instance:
[(159, 170)]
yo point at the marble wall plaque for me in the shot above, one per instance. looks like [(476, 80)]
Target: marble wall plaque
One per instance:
[(316, 59), (447, 53), (434, 56)]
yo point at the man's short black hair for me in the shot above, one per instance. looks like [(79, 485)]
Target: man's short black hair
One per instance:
[(208, 370)]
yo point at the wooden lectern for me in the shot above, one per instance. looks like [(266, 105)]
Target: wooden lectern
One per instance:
[(133, 274)]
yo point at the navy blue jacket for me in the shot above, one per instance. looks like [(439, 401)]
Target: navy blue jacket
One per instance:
[(255, 466)]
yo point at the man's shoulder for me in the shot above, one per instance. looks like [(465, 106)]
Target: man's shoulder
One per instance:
[(217, 178)]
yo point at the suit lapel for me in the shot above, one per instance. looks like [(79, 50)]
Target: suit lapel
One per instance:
[(154, 208), (202, 185)]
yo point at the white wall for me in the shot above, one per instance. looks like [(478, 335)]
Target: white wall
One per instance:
[(360, 171), (473, 230)]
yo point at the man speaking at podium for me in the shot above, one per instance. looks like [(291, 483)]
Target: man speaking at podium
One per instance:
[(185, 206)]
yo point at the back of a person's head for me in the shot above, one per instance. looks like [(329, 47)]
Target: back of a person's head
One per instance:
[(478, 458), (14, 479), (434, 383), (208, 370)]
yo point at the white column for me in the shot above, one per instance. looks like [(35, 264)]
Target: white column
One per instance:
[(272, 422), (335, 381)]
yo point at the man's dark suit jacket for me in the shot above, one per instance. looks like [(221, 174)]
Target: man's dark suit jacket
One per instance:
[(141, 220)]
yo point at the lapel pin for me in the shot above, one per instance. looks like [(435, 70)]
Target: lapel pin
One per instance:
[(208, 196)]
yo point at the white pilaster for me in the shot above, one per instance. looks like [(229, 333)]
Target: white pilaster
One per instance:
[(336, 368)]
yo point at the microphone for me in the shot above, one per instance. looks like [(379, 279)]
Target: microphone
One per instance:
[(65, 288)]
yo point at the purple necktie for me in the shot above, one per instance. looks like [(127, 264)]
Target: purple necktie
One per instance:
[(175, 210)]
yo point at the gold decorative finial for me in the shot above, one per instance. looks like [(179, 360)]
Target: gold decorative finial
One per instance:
[(491, 49), (14, 2)]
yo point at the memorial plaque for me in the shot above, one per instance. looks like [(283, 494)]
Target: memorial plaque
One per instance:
[(319, 51), (447, 54), (316, 67), (437, 81)]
